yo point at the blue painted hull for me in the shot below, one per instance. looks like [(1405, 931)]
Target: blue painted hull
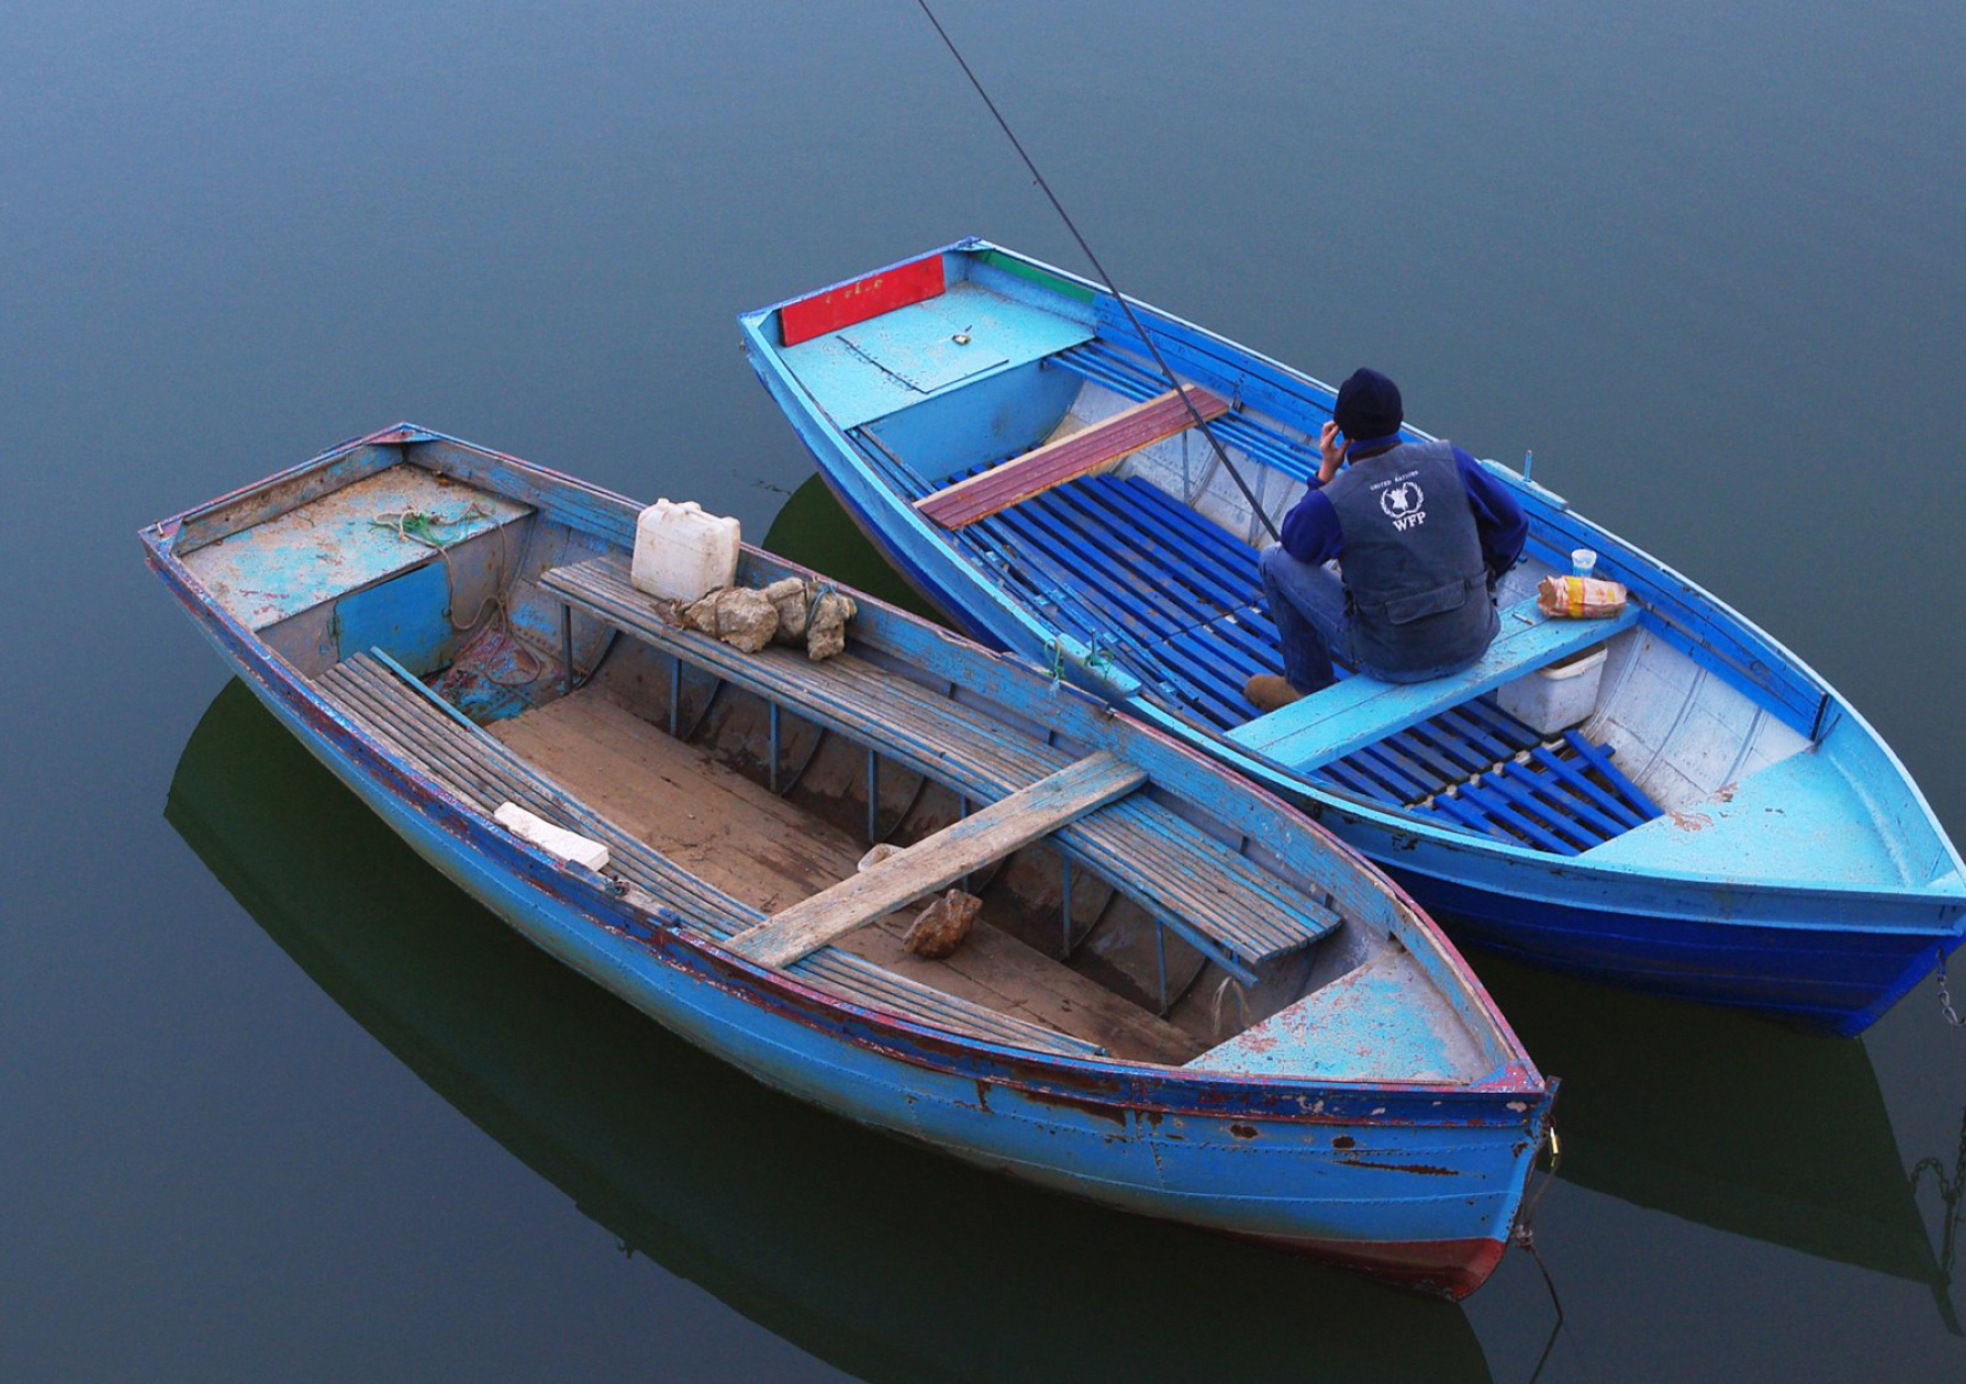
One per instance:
[(1416, 1184), (1830, 958), (1836, 979), (1824, 961)]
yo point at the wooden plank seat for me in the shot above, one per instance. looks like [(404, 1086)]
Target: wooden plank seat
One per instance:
[(1188, 881), (1171, 597), (939, 861), (1360, 711), (1011, 482), (480, 771)]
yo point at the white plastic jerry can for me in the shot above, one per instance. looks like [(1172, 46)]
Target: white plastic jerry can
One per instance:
[(682, 553)]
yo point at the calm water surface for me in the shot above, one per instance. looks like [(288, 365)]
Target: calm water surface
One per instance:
[(278, 1103)]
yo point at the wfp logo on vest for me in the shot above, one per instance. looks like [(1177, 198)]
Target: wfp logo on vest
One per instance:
[(1402, 504)]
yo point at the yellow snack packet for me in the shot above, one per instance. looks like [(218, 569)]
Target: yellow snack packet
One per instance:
[(1580, 598)]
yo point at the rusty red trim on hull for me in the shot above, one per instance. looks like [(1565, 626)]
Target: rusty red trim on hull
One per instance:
[(1444, 1268)]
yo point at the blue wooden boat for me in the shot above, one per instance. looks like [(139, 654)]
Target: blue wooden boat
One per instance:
[(1718, 825), (849, 1246), (1184, 999)]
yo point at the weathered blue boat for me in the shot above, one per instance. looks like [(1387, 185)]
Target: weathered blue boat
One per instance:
[(1715, 823), (1183, 999), (849, 1246)]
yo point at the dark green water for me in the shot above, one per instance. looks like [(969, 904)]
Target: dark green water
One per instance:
[(276, 1103)]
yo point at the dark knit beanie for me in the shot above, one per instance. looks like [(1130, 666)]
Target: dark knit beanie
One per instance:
[(1368, 406)]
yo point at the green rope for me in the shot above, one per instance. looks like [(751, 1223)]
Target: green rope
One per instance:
[(421, 526)]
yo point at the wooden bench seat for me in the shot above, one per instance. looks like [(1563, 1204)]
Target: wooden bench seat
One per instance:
[(1188, 881), (1341, 719), (1054, 463), (475, 767)]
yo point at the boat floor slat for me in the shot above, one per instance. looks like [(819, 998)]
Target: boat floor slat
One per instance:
[(1174, 598), (441, 747)]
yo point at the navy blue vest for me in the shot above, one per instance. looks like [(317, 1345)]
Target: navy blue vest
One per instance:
[(1415, 583)]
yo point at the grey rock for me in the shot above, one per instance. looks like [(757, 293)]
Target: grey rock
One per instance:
[(826, 635), (739, 616)]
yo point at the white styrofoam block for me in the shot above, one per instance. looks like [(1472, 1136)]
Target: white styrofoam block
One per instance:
[(556, 841), (682, 553)]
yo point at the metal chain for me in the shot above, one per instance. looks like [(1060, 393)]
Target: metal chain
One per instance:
[(1524, 1234), (1951, 1189), (1952, 1192), (1945, 996)]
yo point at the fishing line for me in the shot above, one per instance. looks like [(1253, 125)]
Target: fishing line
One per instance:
[(1112, 288)]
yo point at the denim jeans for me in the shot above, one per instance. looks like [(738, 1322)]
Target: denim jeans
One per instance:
[(1308, 604)]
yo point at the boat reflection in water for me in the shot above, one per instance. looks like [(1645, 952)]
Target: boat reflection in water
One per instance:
[(1717, 1118), (1726, 1120), (886, 1261)]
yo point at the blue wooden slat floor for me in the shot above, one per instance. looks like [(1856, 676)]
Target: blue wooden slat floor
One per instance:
[(1175, 600)]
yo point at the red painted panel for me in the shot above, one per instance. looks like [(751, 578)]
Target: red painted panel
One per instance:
[(863, 298)]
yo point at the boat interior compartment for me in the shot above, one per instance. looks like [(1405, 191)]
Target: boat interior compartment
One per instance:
[(1175, 600), (403, 557), (730, 788), (1195, 891), (873, 368), (480, 770), (1059, 479)]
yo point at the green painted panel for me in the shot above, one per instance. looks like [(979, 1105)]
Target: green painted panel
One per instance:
[(1024, 269)]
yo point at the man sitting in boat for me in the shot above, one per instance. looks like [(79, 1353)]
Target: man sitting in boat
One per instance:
[(1421, 534)]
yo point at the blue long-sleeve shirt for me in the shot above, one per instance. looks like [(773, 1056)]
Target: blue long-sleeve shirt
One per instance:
[(1311, 532)]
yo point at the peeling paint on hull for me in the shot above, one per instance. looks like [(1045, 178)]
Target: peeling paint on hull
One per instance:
[(1288, 1163)]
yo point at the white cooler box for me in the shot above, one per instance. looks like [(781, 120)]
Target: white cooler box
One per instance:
[(1557, 697)]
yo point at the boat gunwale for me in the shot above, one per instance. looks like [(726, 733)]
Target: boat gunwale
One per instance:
[(1280, 779), (1104, 1082)]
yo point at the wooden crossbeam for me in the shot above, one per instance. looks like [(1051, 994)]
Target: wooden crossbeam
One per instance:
[(937, 861), (1054, 463)]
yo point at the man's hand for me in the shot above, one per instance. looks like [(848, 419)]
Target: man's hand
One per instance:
[(1332, 451)]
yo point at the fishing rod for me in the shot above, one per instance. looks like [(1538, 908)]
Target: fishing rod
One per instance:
[(1100, 269)]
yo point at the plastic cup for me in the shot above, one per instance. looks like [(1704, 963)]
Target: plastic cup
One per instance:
[(1583, 561)]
